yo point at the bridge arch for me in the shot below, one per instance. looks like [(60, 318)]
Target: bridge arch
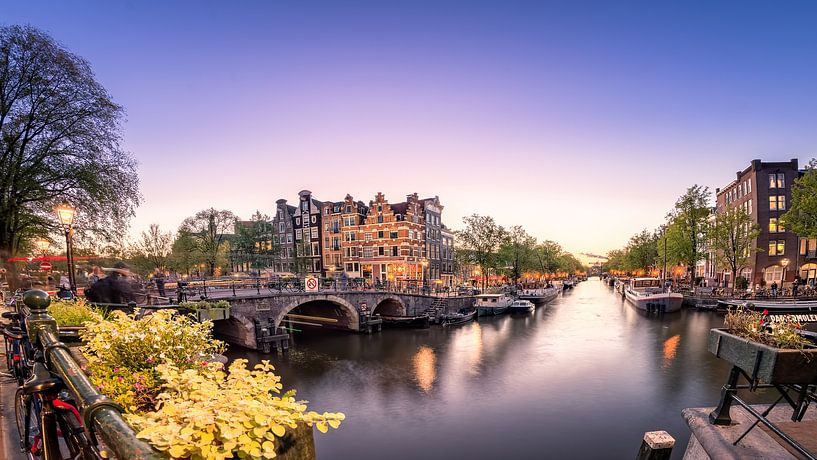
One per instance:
[(350, 318), (390, 306)]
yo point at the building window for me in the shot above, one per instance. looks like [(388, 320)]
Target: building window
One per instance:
[(297, 221), (777, 202), (367, 236), (298, 234), (775, 225), (748, 186), (777, 180), (394, 250), (393, 235), (380, 234), (749, 203), (777, 247), (314, 219), (304, 206), (773, 274), (367, 253), (379, 218), (381, 251), (314, 232)]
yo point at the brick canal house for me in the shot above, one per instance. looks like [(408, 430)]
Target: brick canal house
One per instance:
[(447, 256), (282, 224), (764, 191), (393, 243), (341, 241), (307, 225)]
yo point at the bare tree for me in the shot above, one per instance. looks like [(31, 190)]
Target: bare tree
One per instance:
[(154, 247), (59, 140)]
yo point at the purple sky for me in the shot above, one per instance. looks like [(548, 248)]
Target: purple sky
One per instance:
[(580, 121)]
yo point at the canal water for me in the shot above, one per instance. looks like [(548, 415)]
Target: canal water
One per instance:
[(583, 377)]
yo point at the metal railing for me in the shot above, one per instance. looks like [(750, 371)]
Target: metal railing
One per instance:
[(101, 415)]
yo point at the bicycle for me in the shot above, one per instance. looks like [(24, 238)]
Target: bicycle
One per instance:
[(46, 413), (17, 348)]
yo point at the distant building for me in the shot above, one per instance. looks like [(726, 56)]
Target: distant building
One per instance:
[(433, 210), (447, 256), (307, 225), (284, 236), (393, 244), (764, 191), (353, 215)]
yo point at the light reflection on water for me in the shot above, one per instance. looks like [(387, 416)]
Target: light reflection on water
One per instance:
[(584, 377)]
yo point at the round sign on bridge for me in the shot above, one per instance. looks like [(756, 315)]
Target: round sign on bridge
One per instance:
[(311, 283), (45, 266)]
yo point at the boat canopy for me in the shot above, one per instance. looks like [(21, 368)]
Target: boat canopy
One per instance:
[(645, 282)]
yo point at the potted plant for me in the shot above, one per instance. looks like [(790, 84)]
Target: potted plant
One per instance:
[(205, 310), (772, 352)]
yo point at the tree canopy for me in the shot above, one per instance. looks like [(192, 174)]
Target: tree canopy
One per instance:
[(208, 231), (731, 238), (60, 135), (801, 217)]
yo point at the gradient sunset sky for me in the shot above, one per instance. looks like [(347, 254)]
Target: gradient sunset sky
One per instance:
[(581, 121)]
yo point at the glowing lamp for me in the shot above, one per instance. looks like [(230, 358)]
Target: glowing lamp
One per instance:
[(66, 214)]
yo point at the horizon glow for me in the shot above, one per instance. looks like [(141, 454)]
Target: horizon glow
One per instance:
[(581, 122)]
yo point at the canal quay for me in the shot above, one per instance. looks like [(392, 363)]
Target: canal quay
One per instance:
[(582, 377)]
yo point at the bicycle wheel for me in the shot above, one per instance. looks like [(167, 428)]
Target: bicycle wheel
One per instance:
[(74, 437), (27, 414)]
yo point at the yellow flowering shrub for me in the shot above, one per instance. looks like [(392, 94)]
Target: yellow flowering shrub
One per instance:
[(124, 351), (206, 413), (72, 312)]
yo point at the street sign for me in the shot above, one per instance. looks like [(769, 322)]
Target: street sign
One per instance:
[(311, 284), (45, 266)]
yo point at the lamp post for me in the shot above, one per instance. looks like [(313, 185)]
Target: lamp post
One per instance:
[(784, 263), (66, 215), (425, 264)]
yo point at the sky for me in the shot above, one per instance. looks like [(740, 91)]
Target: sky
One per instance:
[(581, 121)]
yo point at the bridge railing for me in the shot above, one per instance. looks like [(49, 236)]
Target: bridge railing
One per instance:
[(101, 415)]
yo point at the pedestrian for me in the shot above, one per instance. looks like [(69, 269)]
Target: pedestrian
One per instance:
[(116, 288), (159, 279), (96, 275), (774, 289), (64, 293)]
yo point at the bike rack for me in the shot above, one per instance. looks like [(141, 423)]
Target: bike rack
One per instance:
[(98, 410)]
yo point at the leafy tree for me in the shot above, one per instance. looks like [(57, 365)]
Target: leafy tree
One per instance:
[(641, 252), (686, 234), (59, 140), (152, 248), (184, 253), (546, 256), (253, 242), (802, 215), (569, 263), (517, 252), (208, 230), (482, 238), (732, 239), (615, 260)]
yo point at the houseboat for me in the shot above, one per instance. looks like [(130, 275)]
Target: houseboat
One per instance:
[(649, 295), (492, 304)]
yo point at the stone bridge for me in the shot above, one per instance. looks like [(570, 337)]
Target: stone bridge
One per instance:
[(256, 315)]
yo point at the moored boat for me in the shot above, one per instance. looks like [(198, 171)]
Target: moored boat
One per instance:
[(521, 306), (647, 294), (415, 322), (492, 304), (773, 305), (539, 296), (462, 316)]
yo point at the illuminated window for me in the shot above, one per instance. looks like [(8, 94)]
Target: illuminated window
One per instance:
[(803, 246), (777, 247), (773, 225), (777, 202), (773, 274)]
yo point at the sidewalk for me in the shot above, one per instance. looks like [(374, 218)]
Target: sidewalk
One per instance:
[(9, 441)]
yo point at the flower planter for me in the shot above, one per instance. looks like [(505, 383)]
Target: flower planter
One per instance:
[(763, 362), (212, 314)]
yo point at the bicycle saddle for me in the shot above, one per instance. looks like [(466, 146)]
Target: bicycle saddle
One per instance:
[(11, 315), (41, 381), (14, 332)]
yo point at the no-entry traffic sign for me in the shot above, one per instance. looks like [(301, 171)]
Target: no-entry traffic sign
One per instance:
[(311, 284), (45, 266)]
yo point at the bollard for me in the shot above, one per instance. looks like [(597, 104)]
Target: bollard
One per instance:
[(657, 445)]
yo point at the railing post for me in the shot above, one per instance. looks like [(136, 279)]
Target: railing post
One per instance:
[(657, 445)]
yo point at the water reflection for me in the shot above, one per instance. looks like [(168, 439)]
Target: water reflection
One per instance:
[(670, 348), (425, 368), (534, 383)]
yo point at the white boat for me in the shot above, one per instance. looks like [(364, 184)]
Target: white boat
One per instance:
[(647, 294), (521, 306), (773, 305), (539, 296), (492, 304)]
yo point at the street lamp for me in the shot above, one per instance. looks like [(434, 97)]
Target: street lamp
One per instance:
[(66, 215), (42, 246), (425, 264), (784, 263)]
